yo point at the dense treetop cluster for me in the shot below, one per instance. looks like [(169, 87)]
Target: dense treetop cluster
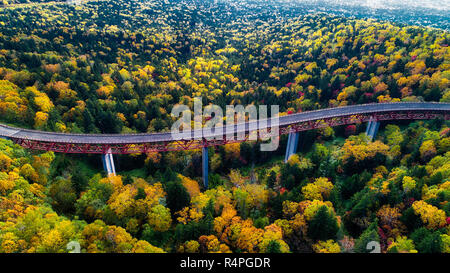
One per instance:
[(120, 67)]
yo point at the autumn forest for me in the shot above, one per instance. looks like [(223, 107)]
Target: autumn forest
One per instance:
[(120, 66)]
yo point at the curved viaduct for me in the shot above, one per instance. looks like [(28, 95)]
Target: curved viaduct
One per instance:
[(108, 144), (158, 142)]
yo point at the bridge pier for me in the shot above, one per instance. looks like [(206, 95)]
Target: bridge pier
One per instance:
[(372, 129), (108, 163), (291, 147), (205, 166)]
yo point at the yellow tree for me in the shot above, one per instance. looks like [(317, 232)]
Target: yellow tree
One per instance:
[(273, 233), (211, 244), (402, 245), (358, 148), (329, 246), (430, 215), (319, 190), (427, 149), (146, 247), (159, 218), (191, 185)]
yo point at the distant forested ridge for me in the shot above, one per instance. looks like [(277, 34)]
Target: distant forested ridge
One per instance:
[(120, 66), (12, 2)]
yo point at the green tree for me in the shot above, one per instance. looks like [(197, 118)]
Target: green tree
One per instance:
[(427, 241), (63, 195), (323, 225), (271, 180), (369, 235), (273, 247), (177, 196)]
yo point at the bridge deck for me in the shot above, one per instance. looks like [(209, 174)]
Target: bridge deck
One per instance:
[(34, 135)]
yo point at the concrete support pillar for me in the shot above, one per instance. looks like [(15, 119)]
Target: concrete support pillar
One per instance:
[(205, 166), (108, 163), (291, 147), (372, 129)]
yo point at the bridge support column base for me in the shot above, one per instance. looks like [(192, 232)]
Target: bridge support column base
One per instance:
[(108, 163), (291, 145), (205, 165), (372, 129)]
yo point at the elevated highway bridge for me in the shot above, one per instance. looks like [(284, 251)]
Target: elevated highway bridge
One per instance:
[(108, 144)]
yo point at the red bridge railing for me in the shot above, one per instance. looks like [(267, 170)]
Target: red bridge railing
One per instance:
[(162, 142)]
